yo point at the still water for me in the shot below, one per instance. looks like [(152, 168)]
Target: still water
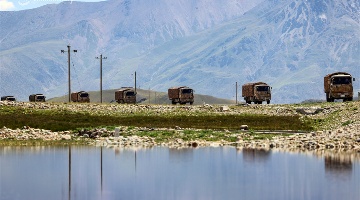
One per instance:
[(85, 173)]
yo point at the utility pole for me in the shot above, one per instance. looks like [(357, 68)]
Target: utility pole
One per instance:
[(101, 57), (135, 82), (68, 51), (236, 86)]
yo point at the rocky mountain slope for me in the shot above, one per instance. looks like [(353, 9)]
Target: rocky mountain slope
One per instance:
[(289, 44)]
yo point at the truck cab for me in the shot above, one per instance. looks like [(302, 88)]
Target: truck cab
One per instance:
[(125, 95), (37, 98), (262, 93), (187, 94), (8, 98), (81, 96), (338, 85)]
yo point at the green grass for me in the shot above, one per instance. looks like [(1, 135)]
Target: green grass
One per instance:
[(12, 142), (60, 120), (347, 123)]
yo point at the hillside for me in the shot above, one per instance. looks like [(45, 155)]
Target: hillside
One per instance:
[(289, 44)]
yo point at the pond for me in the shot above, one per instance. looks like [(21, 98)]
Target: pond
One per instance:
[(81, 172)]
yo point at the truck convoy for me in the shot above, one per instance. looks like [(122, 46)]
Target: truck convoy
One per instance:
[(81, 96), (8, 98), (181, 95), (338, 85), (125, 95), (256, 92), (37, 98)]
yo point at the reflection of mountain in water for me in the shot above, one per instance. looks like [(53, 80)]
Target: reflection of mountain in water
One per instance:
[(255, 155)]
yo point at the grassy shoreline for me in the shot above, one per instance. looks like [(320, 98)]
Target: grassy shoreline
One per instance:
[(62, 120)]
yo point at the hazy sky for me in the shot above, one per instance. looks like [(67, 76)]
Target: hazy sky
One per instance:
[(14, 5)]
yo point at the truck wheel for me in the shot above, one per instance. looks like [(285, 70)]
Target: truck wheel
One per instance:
[(248, 102), (191, 103), (350, 99), (259, 102), (268, 101), (330, 100), (173, 102)]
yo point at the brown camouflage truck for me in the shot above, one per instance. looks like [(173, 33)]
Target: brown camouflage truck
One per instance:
[(181, 95), (37, 98), (256, 92), (338, 85), (125, 95), (81, 96)]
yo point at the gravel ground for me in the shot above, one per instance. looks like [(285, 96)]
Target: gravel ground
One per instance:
[(340, 128)]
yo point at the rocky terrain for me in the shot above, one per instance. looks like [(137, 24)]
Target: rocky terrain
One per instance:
[(338, 126)]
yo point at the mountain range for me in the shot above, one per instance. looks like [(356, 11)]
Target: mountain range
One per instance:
[(206, 45)]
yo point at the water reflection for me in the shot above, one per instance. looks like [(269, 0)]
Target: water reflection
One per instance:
[(255, 155), (338, 163), (162, 173), (69, 172), (181, 155), (339, 166)]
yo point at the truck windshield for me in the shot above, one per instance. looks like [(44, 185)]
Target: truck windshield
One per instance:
[(40, 97), (186, 91), (11, 98), (130, 93), (262, 88), (341, 80), (84, 95)]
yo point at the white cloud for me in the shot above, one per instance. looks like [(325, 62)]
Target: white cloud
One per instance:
[(323, 17), (6, 5)]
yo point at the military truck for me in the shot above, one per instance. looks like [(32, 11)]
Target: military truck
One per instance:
[(8, 98), (181, 95), (81, 96), (37, 98), (256, 92), (338, 85), (125, 95)]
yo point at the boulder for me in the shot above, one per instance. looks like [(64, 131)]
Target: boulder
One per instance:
[(224, 108)]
